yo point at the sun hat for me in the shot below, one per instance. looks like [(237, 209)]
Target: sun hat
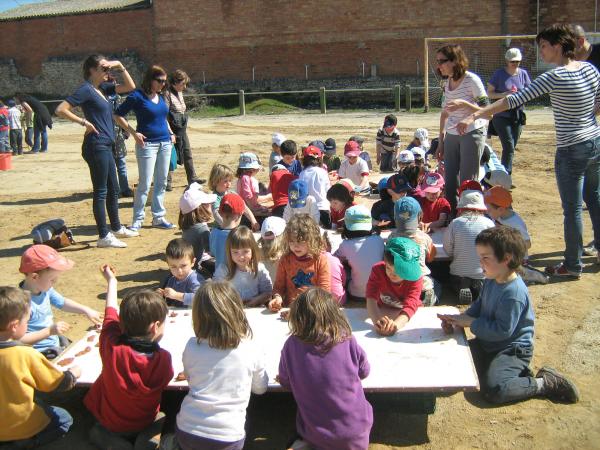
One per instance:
[(513, 54), (233, 202), (194, 197), (277, 139), (297, 193), (471, 199), (432, 183), (418, 153), (358, 218), (351, 148), (498, 178), (249, 160), (39, 257), (406, 255), (498, 196), (406, 157), (272, 227), (423, 136)]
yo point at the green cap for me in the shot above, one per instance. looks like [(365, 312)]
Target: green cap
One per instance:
[(406, 254)]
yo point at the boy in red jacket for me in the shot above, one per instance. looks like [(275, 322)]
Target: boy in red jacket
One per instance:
[(125, 398)]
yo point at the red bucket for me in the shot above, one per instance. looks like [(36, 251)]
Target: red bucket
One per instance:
[(5, 161)]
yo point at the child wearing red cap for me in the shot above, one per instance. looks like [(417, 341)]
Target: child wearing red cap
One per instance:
[(231, 209), (354, 167), (436, 209), (317, 181), (42, 266)]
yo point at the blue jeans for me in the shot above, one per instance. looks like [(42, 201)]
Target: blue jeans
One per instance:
[(100, 160), (577, 169), (29, 136), (509, 131), (60, 423), (153, 162), (122, 174), (40, 133)]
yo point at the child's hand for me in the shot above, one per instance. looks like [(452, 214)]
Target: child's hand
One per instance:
[(59, 328), (383, 223), (76, 371), (275, 304), (255, 226), (169, 293), (161, 291), (285, 315), (424, 227), (108, 272), (386, 326), (94, 316), (277, 378), (459, 320), (447, 327)]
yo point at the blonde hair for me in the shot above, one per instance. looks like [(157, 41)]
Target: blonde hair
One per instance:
[(302, 228), (241, 238), (218, 173), (272, 249), (202, 214), (315, 319), (218, 316)]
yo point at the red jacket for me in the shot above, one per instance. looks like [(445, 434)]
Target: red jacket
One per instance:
[(279, 183)]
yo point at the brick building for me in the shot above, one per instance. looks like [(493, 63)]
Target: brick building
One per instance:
[(220, 41)]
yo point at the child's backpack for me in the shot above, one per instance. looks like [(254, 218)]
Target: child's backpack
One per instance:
[(53, 233)]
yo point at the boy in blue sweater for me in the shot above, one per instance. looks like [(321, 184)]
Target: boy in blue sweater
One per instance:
[(502, 321)]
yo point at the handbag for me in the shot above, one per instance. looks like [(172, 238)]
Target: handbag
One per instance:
[(173, 162)]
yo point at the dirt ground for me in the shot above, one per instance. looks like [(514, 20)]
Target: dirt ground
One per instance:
[(57, 184)]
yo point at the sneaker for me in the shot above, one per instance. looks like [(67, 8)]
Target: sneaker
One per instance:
[(590, 251), (169, 442), (557, 387), (126, 233), (465, 296), (169, 187), (562, 272), (533, 276), (161, 222), (136, 226), (111, 241), (126, 194)]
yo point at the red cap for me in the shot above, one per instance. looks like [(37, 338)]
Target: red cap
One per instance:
[(39, 257), (235, 204), (352, 148), (313, 151), (469, 185)]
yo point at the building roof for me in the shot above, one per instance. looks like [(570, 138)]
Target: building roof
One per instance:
[(70, 7)]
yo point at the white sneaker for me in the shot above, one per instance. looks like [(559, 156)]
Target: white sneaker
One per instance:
[(110, 241), (126, 233), (162, 223)]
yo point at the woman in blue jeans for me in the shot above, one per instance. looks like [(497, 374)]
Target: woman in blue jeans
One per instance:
[(98, 142), (574, 89), (153, 142)]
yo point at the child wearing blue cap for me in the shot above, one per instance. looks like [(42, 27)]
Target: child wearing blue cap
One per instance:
[(382, 211), (300, 202)]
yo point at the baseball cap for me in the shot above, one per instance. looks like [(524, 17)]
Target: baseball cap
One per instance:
[(406, 214), (406, 156), (330, 145), (39, 257), (272, 227), (277, 139), (314, 151), (348, 184), (406, 255), (382, 184), (358, 139), (297, 193), (498, 196), (194, 197), (358, 218), (469, 185), (351, 148), (433, 182), (249, 160), (233, 202), (319, 144), (418, 153), (278, 167), (471, 199), (513, 54), (390, 121), (423, 136), (398, 183), (498, 178), (10, 103)]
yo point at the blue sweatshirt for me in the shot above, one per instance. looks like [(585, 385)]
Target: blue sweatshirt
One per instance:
[(151, 117)]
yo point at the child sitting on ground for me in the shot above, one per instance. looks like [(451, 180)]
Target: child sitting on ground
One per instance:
[(25, 373), (248, 187), (317, 181), (248, 276), (224, 364), (338, 273), (340, 197), (407, 215), (125, 399), (272, 244), (276, 141), (330, 159), (220, 182), (459, 244), (420, 139), (300, 202), (388, 144), (289, 151), (436, 209), (42, 266), (502, 320), (364, 155), (231, 209), (303, 265), (394, 286), (398, 186), (333, 412), (279, 184), (194, 217), (354, 167), (360, 250), (179, 288), (406, 158), (382, 210)]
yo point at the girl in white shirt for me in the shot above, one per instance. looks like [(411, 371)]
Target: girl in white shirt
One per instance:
[(317, 181)]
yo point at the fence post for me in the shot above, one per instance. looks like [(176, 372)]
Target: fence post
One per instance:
[(408, 96), (242, 103), (323, 100), (397, 97)]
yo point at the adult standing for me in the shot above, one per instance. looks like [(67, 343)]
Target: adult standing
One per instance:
[(98, 142), (574, 89), (463, 94), (508, 124), (41, 121), (178, 119), (153, 142)]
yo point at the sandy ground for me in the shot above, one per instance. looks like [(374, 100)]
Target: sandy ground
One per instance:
[(57, 184)]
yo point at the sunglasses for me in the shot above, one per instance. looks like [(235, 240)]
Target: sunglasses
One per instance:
[(160, 80), (441, 61), (515, 62)]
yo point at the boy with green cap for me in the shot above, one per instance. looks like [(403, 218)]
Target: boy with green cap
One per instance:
[(394, 287)]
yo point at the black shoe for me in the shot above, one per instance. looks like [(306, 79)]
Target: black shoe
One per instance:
[(127, 194), (199, 180), (169, 187), (557, 386)]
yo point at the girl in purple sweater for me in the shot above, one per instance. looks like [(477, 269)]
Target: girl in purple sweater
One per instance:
[(322, 364)]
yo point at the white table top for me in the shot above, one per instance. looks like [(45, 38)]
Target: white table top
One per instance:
[(419, 358)]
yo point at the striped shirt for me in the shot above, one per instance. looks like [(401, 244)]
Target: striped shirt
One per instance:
[(388, 142), (574, 94), (471, 90)]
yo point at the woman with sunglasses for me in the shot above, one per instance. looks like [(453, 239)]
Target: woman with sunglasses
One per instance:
[(153, 142), (99, 139), (508, 124), (463, 94)]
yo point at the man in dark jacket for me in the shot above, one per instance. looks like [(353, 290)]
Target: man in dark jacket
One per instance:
[(41, 120)]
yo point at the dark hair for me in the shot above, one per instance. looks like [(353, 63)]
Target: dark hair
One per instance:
[(388, 257), (14, 304), (340, 192), (412, 174), (504, 241), (454, 53), (178, 248), (239, 173), (560, 34), (91, 62), (140, 309), (202, 214), (352, 234), (384, 194), (485, 156), (150, 75), (309, 161), (288, 148), (392, 118), (176, 77)]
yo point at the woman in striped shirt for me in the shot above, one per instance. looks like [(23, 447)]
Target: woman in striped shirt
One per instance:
[(574, 89)]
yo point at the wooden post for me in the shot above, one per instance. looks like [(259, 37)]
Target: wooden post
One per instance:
[(397, 97), (323, 100), (426, 75), (242, 103), (408, 96)]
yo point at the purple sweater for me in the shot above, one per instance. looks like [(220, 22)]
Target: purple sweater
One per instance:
[(333, 412)]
